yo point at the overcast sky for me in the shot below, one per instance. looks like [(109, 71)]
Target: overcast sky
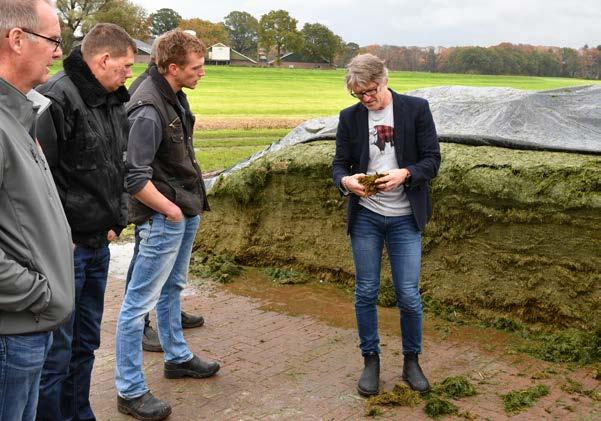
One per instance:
[(424, 23)]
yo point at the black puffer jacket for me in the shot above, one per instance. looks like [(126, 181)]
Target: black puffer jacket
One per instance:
[(84, 138)]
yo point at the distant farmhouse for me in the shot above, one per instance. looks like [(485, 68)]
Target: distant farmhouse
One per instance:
[(298, 60), (143, 53), (222, 54)]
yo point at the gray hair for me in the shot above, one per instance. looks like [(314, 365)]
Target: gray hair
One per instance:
[(19, 14), (363, 69)]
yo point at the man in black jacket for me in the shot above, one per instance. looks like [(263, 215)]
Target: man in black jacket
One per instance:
[(85, 139), (168, 196)]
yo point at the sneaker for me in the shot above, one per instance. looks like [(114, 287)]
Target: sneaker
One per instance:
[(150, 340), (191, 320), (145, 407), (195, 368)]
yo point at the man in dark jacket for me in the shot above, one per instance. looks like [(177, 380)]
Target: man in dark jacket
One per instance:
[(168, 196), (36, 265), (150, 339), (394, 135), (85, 140)]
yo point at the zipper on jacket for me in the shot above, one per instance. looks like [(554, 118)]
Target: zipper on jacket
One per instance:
[(41, 161)]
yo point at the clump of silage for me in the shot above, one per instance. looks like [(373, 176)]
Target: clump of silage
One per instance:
[(437, 407), (436, 404), (454, 387), (369, 183), (284, 276), (514, 234), (570, 345), (221, 268), (575, 388), (518, 400)]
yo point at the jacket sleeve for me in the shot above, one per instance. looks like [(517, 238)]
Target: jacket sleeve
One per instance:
[(20, 288), (428, 149), (341, 164)]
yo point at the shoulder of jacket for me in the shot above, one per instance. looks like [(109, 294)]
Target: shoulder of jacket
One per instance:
[(59, 88), (348, 111), (410, 99)]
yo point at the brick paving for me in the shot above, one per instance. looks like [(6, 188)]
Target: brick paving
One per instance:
[(276, 366)]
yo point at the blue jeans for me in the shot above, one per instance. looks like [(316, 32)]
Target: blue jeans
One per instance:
[(369, 232), (21, 361), (130, 269), (159, 275), (65, 384)]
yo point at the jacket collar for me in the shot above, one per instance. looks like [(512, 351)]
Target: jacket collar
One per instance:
[(91, 91), (165, 89), (17, 104)]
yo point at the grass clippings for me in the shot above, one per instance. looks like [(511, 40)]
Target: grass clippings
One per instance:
[(284, 276), (570, 345), (518, 400), (437, 407), (573, 387), (455, 387), (220, 268), (401, 395)]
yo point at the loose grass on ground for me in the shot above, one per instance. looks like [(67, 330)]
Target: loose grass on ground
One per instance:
[(518, 400)]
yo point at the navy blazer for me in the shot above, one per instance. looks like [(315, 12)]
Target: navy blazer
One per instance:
[(415, 144)]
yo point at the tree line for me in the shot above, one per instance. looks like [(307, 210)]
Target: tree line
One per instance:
[(502, 59), (276, 33)]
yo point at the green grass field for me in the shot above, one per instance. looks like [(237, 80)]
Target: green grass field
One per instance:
[(256, 92), (269, 94), (227, 91), (219, 149)]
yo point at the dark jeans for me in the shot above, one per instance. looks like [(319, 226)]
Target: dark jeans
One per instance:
[(131, 268), (65, 384), (369, 233), (21, 361)]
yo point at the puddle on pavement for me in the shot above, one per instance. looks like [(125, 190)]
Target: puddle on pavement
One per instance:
[(334, 305)]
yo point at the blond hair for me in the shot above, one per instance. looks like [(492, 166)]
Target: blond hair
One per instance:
[(174, 47)]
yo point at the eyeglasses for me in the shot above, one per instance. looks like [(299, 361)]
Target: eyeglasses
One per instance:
[(369, 92), (55, 41)]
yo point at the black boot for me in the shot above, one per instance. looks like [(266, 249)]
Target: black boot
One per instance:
[(150, 340), (195, 368), (413, 374), (191, 320), (146, 407), (369, 383)]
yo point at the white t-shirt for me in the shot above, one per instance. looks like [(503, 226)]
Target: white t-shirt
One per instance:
[(382, 158)]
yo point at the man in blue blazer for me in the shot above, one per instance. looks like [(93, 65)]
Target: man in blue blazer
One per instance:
[(394, 135)]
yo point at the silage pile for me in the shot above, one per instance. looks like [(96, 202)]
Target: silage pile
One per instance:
[(515, 233)]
